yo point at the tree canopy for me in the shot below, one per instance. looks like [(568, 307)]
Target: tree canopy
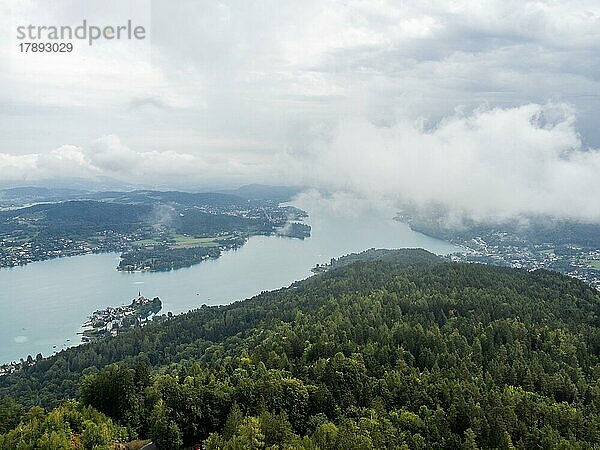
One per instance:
[(375, 354)]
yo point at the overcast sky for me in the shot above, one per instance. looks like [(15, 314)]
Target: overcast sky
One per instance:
[(488, 106)]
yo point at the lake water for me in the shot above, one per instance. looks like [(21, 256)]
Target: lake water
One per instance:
[(44, 304)]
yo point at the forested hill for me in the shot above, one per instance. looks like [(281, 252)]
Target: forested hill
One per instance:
[(376, 354)]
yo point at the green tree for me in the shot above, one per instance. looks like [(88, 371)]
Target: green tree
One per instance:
[(112, 391), (248, 436), (164, 432), (470, 440), (10, 414)]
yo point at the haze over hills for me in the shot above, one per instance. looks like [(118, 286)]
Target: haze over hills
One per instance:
[(569, 246), (24, 195), (405, 350), (266, 192), (154, 230)]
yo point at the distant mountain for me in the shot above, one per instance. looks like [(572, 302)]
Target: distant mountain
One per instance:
[(84, 184), (25, 195), (178, 197), (34, 191), (28, 195), (265, 192)]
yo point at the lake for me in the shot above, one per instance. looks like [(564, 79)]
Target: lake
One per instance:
[(44, 304)]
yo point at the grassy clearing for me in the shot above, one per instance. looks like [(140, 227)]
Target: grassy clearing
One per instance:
[(183, 241), (594, 263), (146, 242)]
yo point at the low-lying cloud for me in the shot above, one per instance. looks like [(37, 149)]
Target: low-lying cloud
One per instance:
[(109, 157), (495, 163), (491, 163)]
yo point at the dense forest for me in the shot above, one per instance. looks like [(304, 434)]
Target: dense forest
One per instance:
[(164, 258), (402, 352)]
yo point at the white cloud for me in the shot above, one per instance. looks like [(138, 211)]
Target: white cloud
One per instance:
[(109, 157), (492, 163), (65, 161)]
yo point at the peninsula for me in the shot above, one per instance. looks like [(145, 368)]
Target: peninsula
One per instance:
[(110, 321)]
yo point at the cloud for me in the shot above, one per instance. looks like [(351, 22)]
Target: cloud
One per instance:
[(493, 163), (65, 161), (458, 102), (109, 157)]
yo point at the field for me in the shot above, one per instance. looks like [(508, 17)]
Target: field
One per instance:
[(594, 263), (184, 241)]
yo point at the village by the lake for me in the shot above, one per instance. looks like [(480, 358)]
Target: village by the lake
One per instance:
[(112, 320), (102, 324)]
